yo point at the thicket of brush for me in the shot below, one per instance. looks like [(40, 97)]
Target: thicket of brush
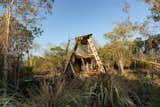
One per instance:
[(102, 91)]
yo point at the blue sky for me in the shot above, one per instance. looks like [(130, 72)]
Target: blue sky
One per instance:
[(71, 18)]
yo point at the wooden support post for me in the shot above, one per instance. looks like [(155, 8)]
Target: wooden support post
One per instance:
[(74, 72)]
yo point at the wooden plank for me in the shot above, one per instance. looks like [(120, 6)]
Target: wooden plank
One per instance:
[(74, 72)]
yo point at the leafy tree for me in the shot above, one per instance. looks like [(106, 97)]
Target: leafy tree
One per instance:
[(155, 9), (151, 46), (120, 48), (26, 12), (21, 40), (119, 53), (52, 61), (120, 32)]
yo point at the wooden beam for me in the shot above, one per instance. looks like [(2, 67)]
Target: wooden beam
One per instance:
[(74, 72)]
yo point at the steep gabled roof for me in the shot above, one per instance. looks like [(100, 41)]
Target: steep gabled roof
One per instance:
[(79, 40), (84, 57)]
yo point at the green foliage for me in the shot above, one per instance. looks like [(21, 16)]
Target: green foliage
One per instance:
[(138, 45), (147, 80), (21, 38), (155, 9), (53, 60), (26, 73), (29, 11), (120, 32), (120, 48), (117, 51)]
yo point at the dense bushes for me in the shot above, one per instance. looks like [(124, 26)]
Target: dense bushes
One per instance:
[(102, 91)]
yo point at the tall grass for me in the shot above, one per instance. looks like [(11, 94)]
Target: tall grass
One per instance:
[(92, 92), (5, 101), (111, 93), (62, 94), (102, 91), (9, 101)]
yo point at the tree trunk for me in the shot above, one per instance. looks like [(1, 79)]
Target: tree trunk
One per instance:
[(121, 66), (5, 74), (16, 74), (66, 55), (6, 46)]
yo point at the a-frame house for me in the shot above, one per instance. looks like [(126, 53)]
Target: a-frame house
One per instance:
[(84, 61)]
